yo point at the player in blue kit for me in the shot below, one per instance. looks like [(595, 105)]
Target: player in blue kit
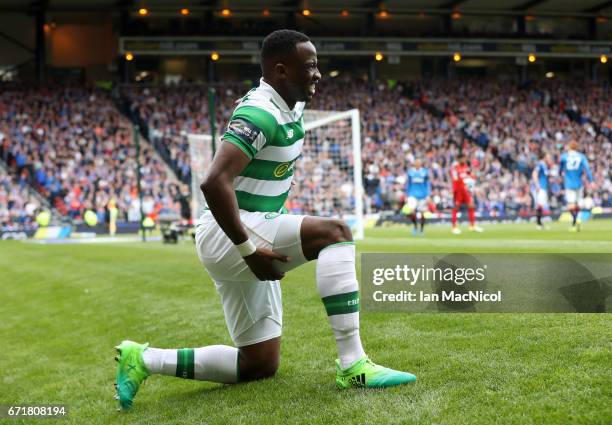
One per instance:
[(573, 165), (541, 187), (418, 188)]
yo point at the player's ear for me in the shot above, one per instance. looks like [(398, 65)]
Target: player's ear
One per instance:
[(280, 69)]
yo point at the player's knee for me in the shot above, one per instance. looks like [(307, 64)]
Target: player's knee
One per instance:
[(339, 231), (258, 364), (258, 368), (270, 368)]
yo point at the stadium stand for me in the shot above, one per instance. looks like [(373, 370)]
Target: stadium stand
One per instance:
[(502, 127), (73, 145), (18, 207)]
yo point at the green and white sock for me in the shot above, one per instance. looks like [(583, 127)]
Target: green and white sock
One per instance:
[(339, 290), (215, 363)]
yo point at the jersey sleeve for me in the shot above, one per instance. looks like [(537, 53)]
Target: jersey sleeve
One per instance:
[(587, 169), (562, 164), (249, 129)]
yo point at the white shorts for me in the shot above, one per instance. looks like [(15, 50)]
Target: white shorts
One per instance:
[(413, 204), (542, 198), (573, 196), (253, 308)]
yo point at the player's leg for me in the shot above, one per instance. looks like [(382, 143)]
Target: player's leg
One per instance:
[(410, 210), (253, 313), (413, 218), (571, 197), (458, 200), (422, 207), (330, 242), (541, 203), (216, 363), (573, 209), (454, 228), (539, 212), (471, 214), (579, 202), (422, 222)]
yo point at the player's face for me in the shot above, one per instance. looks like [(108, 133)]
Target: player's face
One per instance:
[(303, 74)]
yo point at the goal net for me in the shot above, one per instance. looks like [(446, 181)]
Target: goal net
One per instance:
[(201, 155), (327, 177)]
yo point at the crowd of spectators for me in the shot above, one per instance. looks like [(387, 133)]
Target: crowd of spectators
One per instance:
[(169, 114), (516, 124), (503, 127), (18, 208), (78, 148), (74, 146)]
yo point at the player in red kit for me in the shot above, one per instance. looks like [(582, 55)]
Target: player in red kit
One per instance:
[(462, 180)]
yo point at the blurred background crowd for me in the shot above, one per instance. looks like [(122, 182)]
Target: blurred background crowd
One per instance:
[(75, 145)]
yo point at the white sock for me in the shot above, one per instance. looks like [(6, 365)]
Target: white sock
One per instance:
[(215, 363), (339, 290)]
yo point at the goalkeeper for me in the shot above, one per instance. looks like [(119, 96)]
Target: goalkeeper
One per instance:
[(247, 246)]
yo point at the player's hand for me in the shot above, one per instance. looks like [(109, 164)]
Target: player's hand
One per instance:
[(261, 263)]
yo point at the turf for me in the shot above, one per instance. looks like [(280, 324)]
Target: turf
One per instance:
[(64, 307)]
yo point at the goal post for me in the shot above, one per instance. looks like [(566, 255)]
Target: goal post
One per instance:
[(328, 177), (338, 135), (201, 155)]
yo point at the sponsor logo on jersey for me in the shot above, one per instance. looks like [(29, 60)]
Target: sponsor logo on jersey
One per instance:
[(290, 133), (244, 130), (282, 169)]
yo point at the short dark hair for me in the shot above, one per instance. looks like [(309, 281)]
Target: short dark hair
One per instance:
[(281, 43)]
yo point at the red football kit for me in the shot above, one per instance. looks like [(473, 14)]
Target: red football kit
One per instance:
[(459, 173)]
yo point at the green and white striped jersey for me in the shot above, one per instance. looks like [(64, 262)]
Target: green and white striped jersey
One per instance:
[(272, 135)]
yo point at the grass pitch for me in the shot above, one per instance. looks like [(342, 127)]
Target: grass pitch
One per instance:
[(64, 307)]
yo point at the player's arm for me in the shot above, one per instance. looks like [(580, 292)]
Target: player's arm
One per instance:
[(587, 170), (233, 156), (407, 186), (562, 165), (218, 189), (534, 177)]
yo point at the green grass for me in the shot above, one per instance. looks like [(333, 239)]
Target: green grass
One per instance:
[(64, 307)]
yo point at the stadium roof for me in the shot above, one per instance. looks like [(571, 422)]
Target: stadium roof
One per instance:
[(548, 7)]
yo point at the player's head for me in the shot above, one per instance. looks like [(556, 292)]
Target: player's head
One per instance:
[(289, 63), (573, 146), (417, 163), (461, 159)]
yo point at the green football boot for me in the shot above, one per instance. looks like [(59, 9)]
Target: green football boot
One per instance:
[(364, 373), (131, 372)]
